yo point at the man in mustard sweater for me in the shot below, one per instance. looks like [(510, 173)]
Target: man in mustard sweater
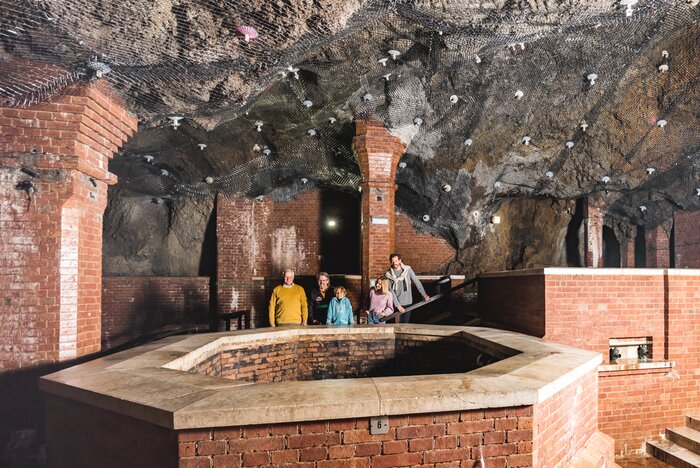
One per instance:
[(288, 303)]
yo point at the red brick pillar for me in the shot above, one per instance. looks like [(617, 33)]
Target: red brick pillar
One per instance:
[(53, 180), (658, 252), (378, 153), (627, 254), (593, 212)]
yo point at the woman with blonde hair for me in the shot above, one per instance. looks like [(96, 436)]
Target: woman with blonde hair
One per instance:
[(381, 301)]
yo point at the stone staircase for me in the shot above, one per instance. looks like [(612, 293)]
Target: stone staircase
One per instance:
[(681, 448)]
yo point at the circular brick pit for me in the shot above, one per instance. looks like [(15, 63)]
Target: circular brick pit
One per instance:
[(342, 356)]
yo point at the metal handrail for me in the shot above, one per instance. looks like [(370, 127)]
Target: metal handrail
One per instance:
[(432, 298)]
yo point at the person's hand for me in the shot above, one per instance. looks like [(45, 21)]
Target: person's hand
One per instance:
[(400, 309), (273, 325), (426, 297), (303, 323)]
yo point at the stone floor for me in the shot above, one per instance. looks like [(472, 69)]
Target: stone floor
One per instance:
[(638, 461)]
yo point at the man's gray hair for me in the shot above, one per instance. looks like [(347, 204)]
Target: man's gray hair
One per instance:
[(288, 270)]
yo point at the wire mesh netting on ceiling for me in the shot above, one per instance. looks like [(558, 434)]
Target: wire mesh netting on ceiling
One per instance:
[(498, 102)]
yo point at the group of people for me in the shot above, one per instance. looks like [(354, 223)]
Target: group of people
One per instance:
[(331, 306)]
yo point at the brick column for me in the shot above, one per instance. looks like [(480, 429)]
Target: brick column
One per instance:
[(378, 153), (593, 214), (53, 180), (627, 246), (658, 251)]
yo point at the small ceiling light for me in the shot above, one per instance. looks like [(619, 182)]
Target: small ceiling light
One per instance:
[(256, 148), (148, 158), (417, 121), (402, 165), (468, 142), (664, 54), (311, 132), (661, 123), (697, 192), (306, 103), (663, 68), (569, 144), (426, 218), (583, 125), (202, 146), (367, 97), (495, 219), (267, 152), (331, 223), (101, 69), (294, 71), (642, 208), (383, 61), (164, 172), (454, 99), (332, 120), (605, 179), (549, 174), (260, 197), (394, 53), (446, 188), (477, 59), (248, 32), (386, 77), (628, 4), (157, 200), (526, 140), (497, 184), (304, 180), (591, 78), (175, 121), (258, 125), (209, 180), (651, 170), (519, 94), (476, 214)]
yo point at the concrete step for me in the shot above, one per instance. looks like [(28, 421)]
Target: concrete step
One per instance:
[(685, 437), (693, 421), (673, 454)]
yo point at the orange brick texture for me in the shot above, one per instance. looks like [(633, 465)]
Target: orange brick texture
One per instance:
[(51, 247), (257, 239), (378, 153), (317, 357), (658, 248), (425, 253), (440, 439), (687, 239), (135, 307), (586, 311)]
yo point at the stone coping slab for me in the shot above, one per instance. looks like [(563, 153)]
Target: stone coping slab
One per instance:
[(595, 272), (147, 382)]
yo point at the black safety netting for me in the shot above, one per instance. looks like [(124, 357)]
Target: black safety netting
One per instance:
[(558, 101)]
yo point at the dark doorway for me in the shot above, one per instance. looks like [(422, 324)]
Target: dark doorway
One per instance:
[(640, 248), (574, 255), (611, 249), (340, 232)]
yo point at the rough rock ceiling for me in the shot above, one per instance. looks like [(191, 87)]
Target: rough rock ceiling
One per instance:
[(495, 99)]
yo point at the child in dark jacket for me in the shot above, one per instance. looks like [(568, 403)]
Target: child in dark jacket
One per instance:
[(340, 309)]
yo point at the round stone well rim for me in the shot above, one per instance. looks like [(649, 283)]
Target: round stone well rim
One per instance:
[(145, 383)]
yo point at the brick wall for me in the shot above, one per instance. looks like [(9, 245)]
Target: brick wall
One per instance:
[(425, 253), (51, 247), (564, 423), (134, 307), (454, 437), (261, 239), (658, 249), (87, 436), (318, 357), (687, 239), (586, 310)]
